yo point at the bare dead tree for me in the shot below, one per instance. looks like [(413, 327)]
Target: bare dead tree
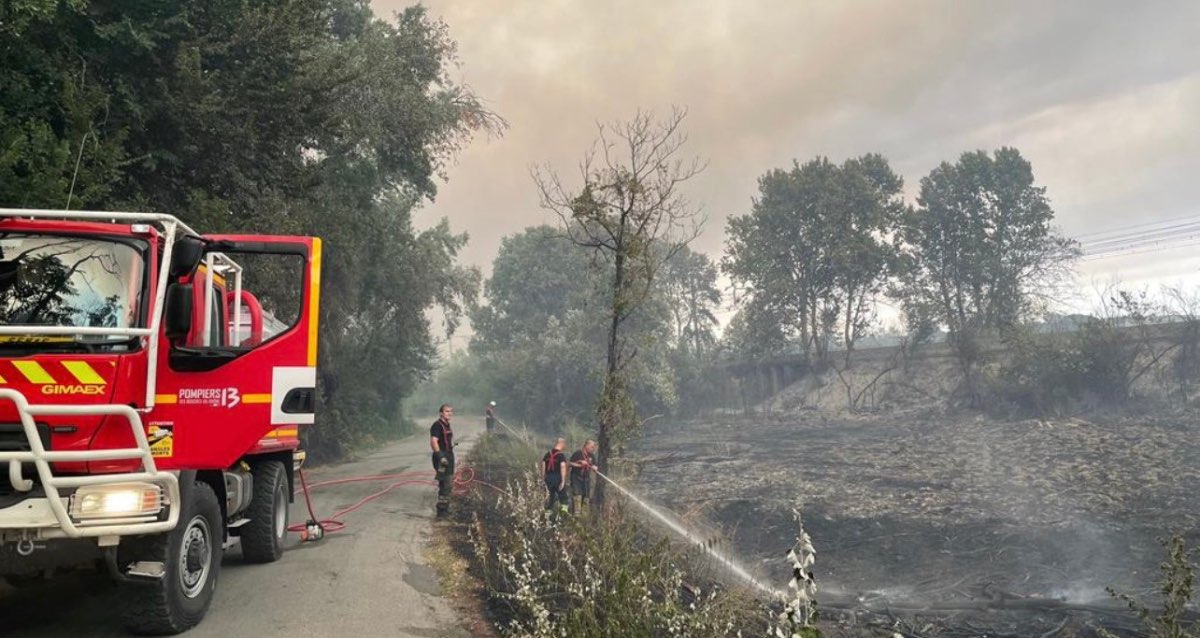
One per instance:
[(629, 209), (854, 400)]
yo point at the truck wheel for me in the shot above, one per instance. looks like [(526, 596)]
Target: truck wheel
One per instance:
[(263, 536), (191, 554)]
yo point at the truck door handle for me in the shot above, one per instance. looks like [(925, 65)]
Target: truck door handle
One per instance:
[(299, 401)]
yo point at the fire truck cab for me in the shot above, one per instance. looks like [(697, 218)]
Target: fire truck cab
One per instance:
[(152, 385)]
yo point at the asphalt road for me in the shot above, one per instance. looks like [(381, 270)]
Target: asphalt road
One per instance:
[(369, 580)]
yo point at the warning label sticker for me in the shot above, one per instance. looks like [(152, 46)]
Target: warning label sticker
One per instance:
[(162, 439)]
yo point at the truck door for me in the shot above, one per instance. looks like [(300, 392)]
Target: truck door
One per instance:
[(239, 350)]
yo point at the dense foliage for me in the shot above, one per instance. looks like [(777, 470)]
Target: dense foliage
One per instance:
[(980, 254), (540, 340), (814, 250), (307, 117)]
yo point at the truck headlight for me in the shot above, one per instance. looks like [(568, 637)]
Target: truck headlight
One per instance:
[(120, 500)]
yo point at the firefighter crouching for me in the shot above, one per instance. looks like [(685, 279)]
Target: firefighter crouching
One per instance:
[(554, 472), (581, 476), (441, 440)]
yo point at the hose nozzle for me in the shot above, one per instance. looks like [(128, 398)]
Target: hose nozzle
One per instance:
[(313, 531)]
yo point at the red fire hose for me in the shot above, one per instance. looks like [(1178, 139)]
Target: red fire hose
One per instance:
[(315, 529)]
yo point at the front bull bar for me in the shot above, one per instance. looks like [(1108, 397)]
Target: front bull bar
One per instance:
[(24, 517)]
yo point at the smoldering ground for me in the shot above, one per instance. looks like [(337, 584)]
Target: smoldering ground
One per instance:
[(925, 510)]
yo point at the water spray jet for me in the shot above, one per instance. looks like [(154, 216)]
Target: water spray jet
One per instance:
[(727, 562)]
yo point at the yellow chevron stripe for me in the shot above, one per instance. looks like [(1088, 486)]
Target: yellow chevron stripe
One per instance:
[(2, 381), (34, 372), (256, 398), (166, 398), (84, 372)]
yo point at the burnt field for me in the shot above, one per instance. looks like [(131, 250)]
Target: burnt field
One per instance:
[(942, 516)]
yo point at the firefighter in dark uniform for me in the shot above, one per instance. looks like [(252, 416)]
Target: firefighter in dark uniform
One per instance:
[(490, 413), (554, 471), (581, 476), (441, 440)]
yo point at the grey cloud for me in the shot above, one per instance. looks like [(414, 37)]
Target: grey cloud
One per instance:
[(1100, 95)]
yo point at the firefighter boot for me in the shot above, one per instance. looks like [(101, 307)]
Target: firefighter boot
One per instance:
[(444, 479)]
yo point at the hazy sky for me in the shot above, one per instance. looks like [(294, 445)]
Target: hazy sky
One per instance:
[(1102, 97)]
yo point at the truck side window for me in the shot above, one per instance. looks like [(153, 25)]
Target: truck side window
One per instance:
[(269, 307), (216, 331), (273, 291)]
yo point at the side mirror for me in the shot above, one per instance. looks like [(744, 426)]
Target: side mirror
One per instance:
[(186, 256), (177, 315)]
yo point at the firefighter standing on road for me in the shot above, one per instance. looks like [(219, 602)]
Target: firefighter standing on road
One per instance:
[(581, 476), (441, 440), (554, 471), (490, 412)]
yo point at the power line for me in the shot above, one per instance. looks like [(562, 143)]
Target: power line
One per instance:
[(1158, 232), (1131, 227), (1141, 238), (1149, 248), (1144, 244), (1173, 234)]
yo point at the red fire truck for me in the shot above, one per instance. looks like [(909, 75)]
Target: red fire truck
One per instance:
[(152, 383)]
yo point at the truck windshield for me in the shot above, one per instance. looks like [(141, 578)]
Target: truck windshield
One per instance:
[(55, 280)]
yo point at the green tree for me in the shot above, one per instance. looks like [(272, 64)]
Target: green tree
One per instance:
[(305, 117), (757, 331), (630, 212), (689, 296), (689, 284), (537, 338), (979, 251), (814, 250), (537, 274)]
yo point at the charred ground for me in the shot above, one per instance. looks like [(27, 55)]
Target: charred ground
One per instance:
[(953, 513)]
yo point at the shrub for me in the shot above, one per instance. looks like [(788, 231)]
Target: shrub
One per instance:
[(1041, 374), (591, 576), (1052, 373), (1177, 587), (599, 574)]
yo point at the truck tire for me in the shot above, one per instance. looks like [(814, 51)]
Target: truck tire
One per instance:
[(263, 537), (191, 554)]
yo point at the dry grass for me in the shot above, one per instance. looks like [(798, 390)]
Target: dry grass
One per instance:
[(457, 582), (450, 567)]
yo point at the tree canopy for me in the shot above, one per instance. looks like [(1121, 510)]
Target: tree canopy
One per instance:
[(541, 336), (979, 252), (814, 251), (307, 117)]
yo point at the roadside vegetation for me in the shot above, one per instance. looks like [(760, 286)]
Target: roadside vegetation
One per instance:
[(602, 573)]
